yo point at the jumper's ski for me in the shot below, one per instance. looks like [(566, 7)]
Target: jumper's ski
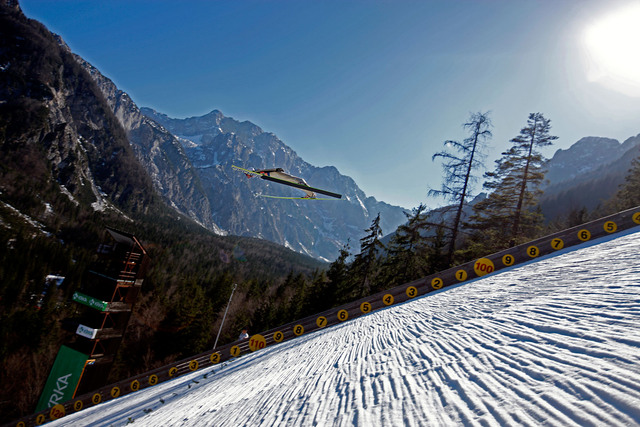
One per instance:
[(292, 198), (246, 171), (291, 180)]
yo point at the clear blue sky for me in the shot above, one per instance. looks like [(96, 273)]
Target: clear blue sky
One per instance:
[(371, 87)]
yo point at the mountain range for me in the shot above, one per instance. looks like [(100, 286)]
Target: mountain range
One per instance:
[(587, 174), (189, 161)]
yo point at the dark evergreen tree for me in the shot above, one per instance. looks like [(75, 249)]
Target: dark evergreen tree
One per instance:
[(320, 295), (338, 275), (577, 217), (296, 290), (263, 316), (186, 329), (408, 249), (509, 213), (437, 260), (628, 196), (366, 264)]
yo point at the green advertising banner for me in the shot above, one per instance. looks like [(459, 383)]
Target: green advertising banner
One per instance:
[(63, 378), (90, 301)]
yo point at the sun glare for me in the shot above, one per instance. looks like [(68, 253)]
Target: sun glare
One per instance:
[(613, 49)]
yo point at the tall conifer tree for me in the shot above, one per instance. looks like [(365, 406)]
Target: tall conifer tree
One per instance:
[(628, 196), (408, 250), (338, 274), (366, 263), (459, 168), (509, 213)]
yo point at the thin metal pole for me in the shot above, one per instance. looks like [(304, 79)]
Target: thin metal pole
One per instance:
[(225, 315)]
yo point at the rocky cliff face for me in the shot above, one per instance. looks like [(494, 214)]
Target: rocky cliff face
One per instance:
[(60, 141), (159, 152)]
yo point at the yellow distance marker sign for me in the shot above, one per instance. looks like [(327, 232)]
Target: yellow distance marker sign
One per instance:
[(584, 234), (321, 322), (278, 336), (483, 266), (508, 260), (365, 307), (557, 244), (298, 330), (57, 412), (115, 392), (257, 342), (610, 227), (235, 351), (96, 398)]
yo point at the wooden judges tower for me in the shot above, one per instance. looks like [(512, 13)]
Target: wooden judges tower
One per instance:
[(109, 292), (106, 299)]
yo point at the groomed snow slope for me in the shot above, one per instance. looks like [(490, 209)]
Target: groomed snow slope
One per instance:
[(553, 342)]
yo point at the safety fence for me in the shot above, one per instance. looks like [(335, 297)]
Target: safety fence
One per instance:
[(492, 263)]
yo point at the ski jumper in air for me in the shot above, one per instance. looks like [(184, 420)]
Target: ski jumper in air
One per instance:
[(279, 176), (279, 173)]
